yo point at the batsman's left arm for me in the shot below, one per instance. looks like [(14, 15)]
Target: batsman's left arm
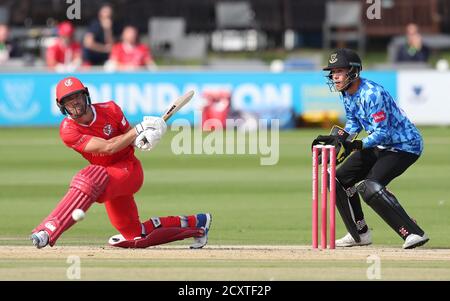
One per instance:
[(102, 146)]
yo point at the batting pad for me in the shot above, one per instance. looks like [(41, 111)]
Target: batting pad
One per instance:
[(85, 188)]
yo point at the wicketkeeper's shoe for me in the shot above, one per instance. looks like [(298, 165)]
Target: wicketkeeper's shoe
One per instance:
[(413, 240), (348, 241), (204, 222), (39, 239)]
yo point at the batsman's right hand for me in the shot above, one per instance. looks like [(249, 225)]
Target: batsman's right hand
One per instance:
[(152, 122), (150, 132), (148, 139), (141, 142)]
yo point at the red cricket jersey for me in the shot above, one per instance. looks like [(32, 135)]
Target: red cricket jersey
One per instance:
[(63, 54), (108, 122), (135, 56)]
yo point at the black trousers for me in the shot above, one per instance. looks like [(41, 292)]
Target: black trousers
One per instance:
[(380, 165)]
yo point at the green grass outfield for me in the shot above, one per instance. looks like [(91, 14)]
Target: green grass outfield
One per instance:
[(251, 204)]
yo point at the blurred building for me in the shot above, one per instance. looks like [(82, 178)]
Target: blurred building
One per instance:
[(196, 34), (187, 30), (273, 17)]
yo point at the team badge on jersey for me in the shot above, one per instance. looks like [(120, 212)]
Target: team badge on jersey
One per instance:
[(107, 129), (379, 116)]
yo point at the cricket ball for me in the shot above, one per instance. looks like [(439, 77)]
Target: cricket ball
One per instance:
[(78, 215)]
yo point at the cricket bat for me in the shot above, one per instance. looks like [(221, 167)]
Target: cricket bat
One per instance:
[(174, 107), (177, 104)]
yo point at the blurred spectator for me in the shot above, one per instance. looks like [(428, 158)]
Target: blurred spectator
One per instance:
[(4, 47), (130, 54), (216, 109), (64, 54), (99, 38), (414, 50), (7, 48)]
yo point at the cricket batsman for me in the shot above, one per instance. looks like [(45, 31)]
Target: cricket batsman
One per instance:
[(393, 144), (102, 135)]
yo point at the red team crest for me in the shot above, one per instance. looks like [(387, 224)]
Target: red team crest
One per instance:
[(107, 130)]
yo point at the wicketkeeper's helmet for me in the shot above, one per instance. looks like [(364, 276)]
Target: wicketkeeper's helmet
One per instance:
[(344, 58)]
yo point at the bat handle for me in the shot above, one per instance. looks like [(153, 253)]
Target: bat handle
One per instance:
[(165, 117)]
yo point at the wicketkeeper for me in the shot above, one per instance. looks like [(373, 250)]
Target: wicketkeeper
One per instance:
[(102, 135), (393, 144)]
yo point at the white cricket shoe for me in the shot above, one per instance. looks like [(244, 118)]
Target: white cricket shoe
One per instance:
[(204, 222), (414, 240), (39, 239), (348, 241)]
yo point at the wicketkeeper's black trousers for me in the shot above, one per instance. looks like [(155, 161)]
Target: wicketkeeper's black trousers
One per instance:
[(380, 165)]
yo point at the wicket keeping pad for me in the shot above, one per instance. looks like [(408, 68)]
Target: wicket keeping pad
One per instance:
[(388, 208), (345, 211)]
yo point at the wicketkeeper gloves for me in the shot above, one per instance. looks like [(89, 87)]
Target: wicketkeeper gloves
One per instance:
[(344, 143)]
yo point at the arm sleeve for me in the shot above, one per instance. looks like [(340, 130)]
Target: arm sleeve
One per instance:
[(93, 28), (77, 50), (73, 138), (352, 125), (147, 54), (119, 117), (115, 55), (50, 56), (378, 114)]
